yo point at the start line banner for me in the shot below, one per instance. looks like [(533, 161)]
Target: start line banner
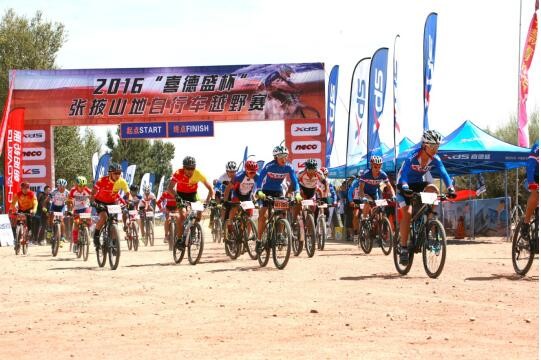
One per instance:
[(164, 130)]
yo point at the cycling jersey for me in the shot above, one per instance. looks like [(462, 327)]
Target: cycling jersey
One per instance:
[(353, 190), (186, 184), (311, 180), (371, 183), (148, 200), (107, 190), (25, 202), (532, 169), (169, 200), (80, 197), (135, 201), (58, 198), (412, 172), (242, 185), (272, 176)]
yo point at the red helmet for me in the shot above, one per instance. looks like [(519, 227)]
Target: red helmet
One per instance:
[(325, 171), (251, 165)]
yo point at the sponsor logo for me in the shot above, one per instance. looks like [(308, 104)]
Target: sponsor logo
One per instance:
[(34, 136), (33, 153), (305, 129), (306, 147), (34, 171), (456, 156)]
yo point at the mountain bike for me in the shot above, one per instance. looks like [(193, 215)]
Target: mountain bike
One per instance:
[(523, 250), (23, 234), (83, 242), (426, 235), (305, 219), (58, 217), (516, 216), (109, 239), (216, 224), (243, 233), (148, 227), (171, 238), (277, 234), (132, 233), (376, 227), (192, 237), (321, 224)]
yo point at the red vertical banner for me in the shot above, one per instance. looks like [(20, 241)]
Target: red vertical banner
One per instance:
[(13, 154), (305, 139)]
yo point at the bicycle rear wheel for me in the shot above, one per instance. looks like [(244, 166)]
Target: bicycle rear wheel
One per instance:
[(195, 245), (250, 238), (385, 236), (321, 232), (434, 249), (55, 242), (310, 236), (114, 247), (522, 253), (281, 243)]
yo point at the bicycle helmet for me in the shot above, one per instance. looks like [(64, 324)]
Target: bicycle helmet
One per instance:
[(231, 166), (280, 150), (189, 162), (115, 167), (61, 182), (311, 164), (251, 165), (146, 189), (325, 171), (81, 180), (374, 159), (134, 188), (431, 137)]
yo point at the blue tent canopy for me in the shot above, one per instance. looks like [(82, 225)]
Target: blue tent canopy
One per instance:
[(470, 150), (388, 156), (339, 172)]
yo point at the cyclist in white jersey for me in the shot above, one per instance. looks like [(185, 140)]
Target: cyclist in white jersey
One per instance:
[(59, 196), (79, 202)]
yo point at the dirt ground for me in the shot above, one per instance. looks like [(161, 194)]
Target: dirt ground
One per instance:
[(339, 304)]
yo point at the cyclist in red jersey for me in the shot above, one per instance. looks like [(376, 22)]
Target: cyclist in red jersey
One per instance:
[(166, 203), (184, 184)]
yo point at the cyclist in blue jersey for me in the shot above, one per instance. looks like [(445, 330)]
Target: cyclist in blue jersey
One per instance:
[(532, 176), (352, 195), (270, 184), (411, 179), (369, 183)]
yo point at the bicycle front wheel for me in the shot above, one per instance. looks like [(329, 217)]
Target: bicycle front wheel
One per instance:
[(385, 235), (296, 243), (114, 247), (250, 238), (217, 229), (321, 232), (434, 249), (195, 245), (101, 250), (522, 253), (55, 244), (402, 269), (365, 237), (263, 255), (144, 237), (231, 245), (150, 233), (281, 243), (19, 233), (310, 236), (84, 242), (135, 237)]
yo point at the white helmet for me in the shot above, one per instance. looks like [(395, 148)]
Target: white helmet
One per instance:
[(231, 166)]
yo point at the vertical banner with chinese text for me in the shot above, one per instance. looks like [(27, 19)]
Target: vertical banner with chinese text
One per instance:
[(13, 161), (305, 139)]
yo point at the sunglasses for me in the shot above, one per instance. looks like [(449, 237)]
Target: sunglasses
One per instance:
[(281, 156), (433, 146), (116, 172), (189, 168), (376, 165)]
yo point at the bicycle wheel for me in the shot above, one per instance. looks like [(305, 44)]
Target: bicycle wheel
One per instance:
[(365, 238), (281, 243), (101, 251), (55, 242), (24, 244), (402, 269), (434, 249), (129, 238), (385, 235), (144, 237), (150, 233), (310, 236), (114, 247), (84, 242), (263, 255), (232, 247), (79, 252), (521, 253), (250, 238), (217, 229), (172, 239), (296, 243), (321, 232), (135, 236), (19, 233), (195, 244)]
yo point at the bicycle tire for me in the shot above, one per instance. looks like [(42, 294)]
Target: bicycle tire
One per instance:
[(196, 244), (434, 248), (217, 230), (172, 239), (321, 232), (263, 255), (84, 242), (144, 237), (519, 245), (135, 237), (19, 233), (150, 234), (281, 242), (57, 231), (129, 240), (114, 247), (24, 245), (101, 250), (365, 239), (296, 243), (79, 252), (402, 269), (231, 246), (386, 235), (250, 238), (310, 237)]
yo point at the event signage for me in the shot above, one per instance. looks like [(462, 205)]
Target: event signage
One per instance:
[(191, 129), (143, 130), (305, 140), (6, 234)]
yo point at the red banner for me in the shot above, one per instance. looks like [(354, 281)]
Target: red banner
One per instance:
[(14, 155), (305, 139), (527, 56)]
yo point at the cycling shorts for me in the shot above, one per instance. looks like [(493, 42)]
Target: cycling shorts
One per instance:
[(405, 200)]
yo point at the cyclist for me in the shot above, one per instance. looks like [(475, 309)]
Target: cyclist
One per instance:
[(106, 192), (147, 203), (410, 180), (78, 202), (59, 196), (226, 179), (270, 183), (26, 202), (369, 184), (184, 184), (353, 196), (166, 203), (133, 204), (42, 219), (242, 186), (532, 176), (331, 198)]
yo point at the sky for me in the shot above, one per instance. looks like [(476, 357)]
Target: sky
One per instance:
[(476, 63)]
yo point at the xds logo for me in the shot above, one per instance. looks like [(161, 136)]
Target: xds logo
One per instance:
[(306, 147), (311, 129), (34, 136)]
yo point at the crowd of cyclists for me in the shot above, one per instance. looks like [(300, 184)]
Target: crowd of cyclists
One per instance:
[(276, 180)]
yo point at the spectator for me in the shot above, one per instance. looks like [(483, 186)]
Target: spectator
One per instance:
[(40, 223)]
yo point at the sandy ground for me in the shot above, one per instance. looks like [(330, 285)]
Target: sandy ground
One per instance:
[(339, 304)]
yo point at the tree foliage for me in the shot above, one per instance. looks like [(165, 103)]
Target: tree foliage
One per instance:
[(152, 157)]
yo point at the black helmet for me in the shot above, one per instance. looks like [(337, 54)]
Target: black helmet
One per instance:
[(134, 187), (311, 164), (115, 167), (189, 162)]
